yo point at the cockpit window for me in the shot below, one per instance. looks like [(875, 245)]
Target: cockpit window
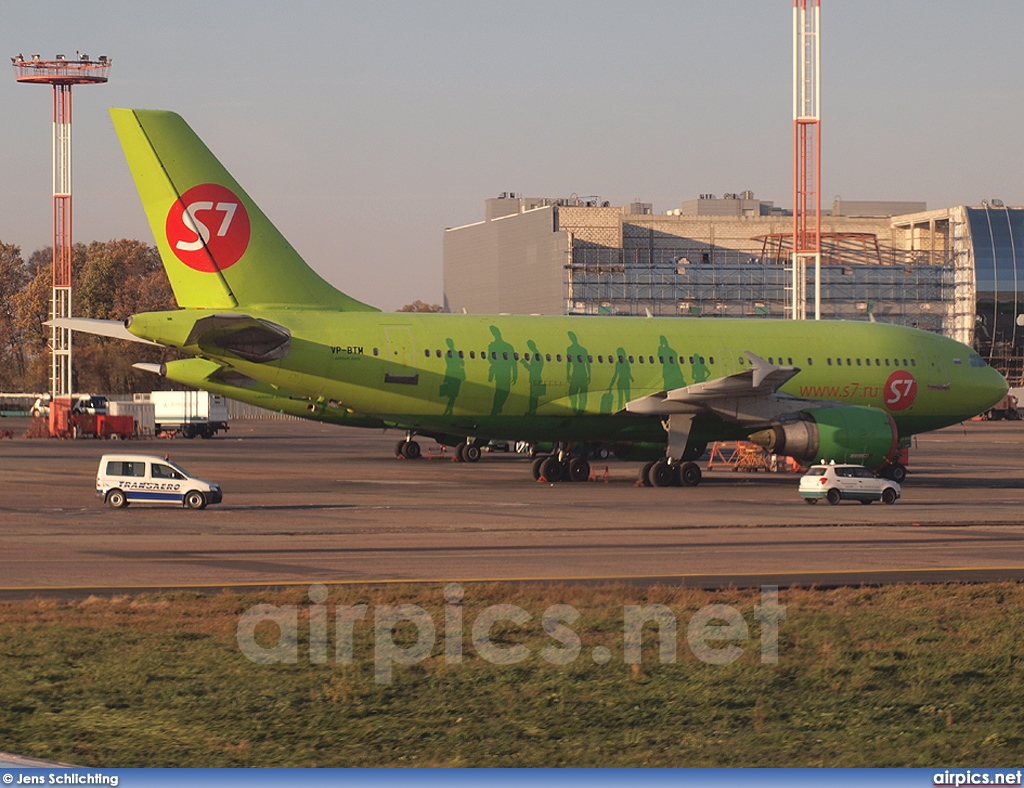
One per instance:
[(977, 361)]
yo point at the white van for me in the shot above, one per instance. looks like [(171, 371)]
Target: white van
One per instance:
[(137, 478)]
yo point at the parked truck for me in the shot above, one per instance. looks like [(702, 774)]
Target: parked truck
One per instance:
[(189, 413), (1007, 408)]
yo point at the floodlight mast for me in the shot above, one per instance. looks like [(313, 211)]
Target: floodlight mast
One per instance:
[(61, 73), (806, 154)]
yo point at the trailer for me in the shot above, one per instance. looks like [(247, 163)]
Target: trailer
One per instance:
[(189, 413), (143, 416), (1007, 408)]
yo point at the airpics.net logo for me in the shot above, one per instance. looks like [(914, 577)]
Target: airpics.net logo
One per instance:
[(715, 634), (977, 777)]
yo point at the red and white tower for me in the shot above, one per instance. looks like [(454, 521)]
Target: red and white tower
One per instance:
[(806, 154), (61, 73)]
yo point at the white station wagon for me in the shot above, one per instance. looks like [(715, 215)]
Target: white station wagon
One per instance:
[(835, 483), (137, 478)]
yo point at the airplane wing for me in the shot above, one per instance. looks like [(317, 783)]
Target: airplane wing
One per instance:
[(750, 399), (251, 338), (114, 329)]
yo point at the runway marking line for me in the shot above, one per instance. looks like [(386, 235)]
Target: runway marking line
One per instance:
[(436, 581)]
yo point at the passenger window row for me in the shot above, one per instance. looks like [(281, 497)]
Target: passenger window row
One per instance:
[(696, 359), (867, 362), (601, 358)]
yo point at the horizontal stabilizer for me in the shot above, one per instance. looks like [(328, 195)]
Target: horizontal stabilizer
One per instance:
[(113, 329), (199, 372), (156, 369)]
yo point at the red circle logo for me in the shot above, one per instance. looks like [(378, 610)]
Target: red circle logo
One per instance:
[(208, 228), (900, 391)]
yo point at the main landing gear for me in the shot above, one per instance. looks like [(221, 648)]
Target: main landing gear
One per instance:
[(559, 467), (665, 473), (896, 472), (670, 470)]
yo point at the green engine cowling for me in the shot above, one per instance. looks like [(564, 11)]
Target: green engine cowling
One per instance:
[(853, 434)]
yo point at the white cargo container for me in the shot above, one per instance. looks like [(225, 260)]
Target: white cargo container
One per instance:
[(143, 413), (189, 413)]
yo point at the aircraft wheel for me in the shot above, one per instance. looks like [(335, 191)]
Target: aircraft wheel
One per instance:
[(117, 499), (645, 469), (834, 496), (898, 474), (663, 475), (690, 475), (400, 449), (471, 453), (889, 495), (579, 469), (535, 467), (411, 450), (552, 470)]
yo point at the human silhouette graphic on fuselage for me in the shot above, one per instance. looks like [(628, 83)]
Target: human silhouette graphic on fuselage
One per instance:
[(535, 366), (454, 374), (577, 371), (504, 370)]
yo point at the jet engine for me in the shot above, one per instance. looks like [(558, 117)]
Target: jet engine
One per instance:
[(854, 434)]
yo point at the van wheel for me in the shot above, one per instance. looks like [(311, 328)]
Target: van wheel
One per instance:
[(117, 499), (195, 500), (834, 496)]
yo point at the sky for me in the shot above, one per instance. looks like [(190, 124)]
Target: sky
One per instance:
[(363, 130)]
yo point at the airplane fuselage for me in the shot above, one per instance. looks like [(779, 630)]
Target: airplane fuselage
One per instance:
[(569, 378)]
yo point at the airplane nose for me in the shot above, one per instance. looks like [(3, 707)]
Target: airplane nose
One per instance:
[(991, 388)]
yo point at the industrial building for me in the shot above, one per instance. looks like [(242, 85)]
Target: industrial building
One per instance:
[(955, 271)]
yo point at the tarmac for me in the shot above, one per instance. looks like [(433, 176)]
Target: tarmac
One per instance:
[(311, 503)]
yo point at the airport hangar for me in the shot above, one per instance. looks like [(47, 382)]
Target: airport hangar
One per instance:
[(956, 271)]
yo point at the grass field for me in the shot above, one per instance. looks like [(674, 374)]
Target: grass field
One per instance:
[(892, 676)]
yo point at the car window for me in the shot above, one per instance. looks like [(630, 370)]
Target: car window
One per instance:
[(119, 468), (816, 472), (846, 473), (165, 472), (863, 473)]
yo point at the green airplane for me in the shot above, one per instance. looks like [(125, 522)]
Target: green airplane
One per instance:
[(842, 391)]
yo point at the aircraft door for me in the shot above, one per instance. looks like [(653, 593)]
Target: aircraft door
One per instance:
[(937, 370), (401, 356), (727, 362)]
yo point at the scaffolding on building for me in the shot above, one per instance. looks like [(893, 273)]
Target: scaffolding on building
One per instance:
[(859, 281)]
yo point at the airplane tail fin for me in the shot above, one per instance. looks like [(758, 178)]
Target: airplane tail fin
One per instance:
[(219, 250)]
